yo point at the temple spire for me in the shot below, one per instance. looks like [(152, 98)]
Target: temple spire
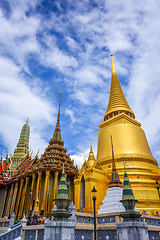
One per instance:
[(57, 132), (115, 182), (23, 144), (91, 158), (117, 101)]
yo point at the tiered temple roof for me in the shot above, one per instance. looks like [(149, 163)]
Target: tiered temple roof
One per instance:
[(55, 155), (25, 165)]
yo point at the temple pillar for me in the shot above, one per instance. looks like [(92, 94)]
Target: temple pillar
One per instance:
[(14, 197), (55, 186), (19, 196), (32, 186), (77, 190), (45, 192), (88, 198), (79, 195), (3, 201), (36, 206), (9, 201), (23, 198)]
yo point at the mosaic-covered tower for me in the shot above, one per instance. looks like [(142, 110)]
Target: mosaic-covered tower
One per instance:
[(21, 150)]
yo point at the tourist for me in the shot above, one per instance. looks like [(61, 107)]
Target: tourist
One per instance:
[(157, 214), (43, 219), (144, 212), (47, 219), (28, 221), (34, 220)]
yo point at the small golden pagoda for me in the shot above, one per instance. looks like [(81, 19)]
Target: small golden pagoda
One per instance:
[(91, 174)]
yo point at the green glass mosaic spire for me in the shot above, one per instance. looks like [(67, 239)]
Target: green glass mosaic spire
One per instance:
[(23, 144), (57, 132), (62, 190), (127, 189)]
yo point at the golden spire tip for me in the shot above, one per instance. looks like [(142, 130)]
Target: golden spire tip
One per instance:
[(113, 67)]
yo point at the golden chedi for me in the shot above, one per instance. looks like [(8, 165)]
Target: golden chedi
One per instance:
[(131, 146)]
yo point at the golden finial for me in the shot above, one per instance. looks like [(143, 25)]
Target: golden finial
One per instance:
[(91, 147), (91, 158), (27, 120), (113, 66)]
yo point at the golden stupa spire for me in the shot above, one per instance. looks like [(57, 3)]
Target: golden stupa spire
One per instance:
[(91, 158), (117, 101)]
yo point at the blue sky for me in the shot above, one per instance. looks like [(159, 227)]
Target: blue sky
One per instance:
[(47, 47)]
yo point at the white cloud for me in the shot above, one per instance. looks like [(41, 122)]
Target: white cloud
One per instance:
[(18, 102)]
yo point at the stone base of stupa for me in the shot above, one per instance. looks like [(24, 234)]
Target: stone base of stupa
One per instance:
[(132, 231), (111, 201), (59, 230)]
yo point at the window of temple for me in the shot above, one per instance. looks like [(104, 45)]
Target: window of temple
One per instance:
[(82, 194)]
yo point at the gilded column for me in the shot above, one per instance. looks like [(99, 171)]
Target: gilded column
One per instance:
[(9, 201), (36, 206), (45, 192), (88, 200), (3, 201), (79, 194), (14, 197), (32, 186), (19, 196), (55, 186), (23, 198)]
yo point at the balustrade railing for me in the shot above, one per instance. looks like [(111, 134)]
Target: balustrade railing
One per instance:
[(14, 233)]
